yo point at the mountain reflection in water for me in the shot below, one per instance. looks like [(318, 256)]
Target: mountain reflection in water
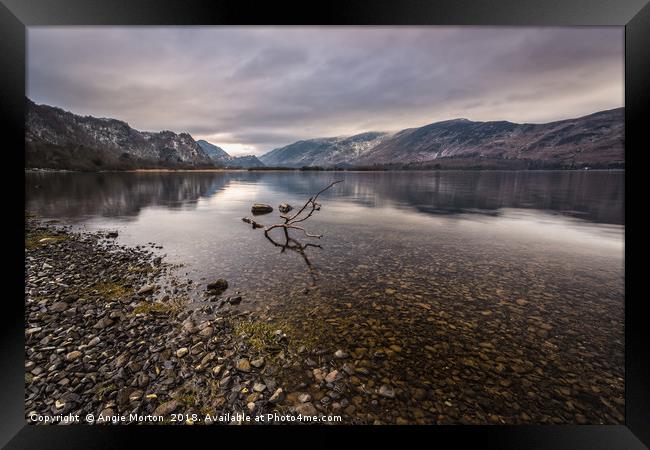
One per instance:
[(592, 196)]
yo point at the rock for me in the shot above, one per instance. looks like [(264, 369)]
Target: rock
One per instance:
[(261, 208), (252, 222), (206, 332), (104, 322), (106, 415), (310, 362), (332, 376), (306, 409), (386, 391), (340, 354), (259, 387), (111, 234), (147, 289), (243, 365), (59, 306), (59, 404), (207, 358), (319, 375), (257, 363), (304, 398), (285, 207), (121, 360), (234, 300), (142, 379), (182, 352), (123, 396), (419, 394), (277, 396), (166, 408), (188, 327), (73, 355), (94, 341), (217, 287)]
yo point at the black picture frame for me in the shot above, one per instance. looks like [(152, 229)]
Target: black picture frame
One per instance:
[(16, 15)]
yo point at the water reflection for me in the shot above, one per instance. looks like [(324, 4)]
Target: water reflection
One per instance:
[(592, 196), (287, 242)]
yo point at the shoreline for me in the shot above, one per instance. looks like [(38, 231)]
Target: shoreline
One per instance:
[(97, 343), (41, 170)]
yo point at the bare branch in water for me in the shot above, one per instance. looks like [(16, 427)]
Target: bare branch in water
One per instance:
[(295, 218), (290, 221), (301, 215)]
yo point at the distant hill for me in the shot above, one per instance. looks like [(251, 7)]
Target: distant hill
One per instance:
[(326, 152), (216, 154), (58, 139), (245, 162), (221, 157), (595, 140)]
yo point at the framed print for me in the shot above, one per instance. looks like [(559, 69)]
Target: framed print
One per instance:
[(372, 217)]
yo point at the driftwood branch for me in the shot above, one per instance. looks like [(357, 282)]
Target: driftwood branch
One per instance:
[(311, 202), (290, 221), (308, 209)]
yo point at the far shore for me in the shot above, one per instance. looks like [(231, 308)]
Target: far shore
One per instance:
[(289, 169)]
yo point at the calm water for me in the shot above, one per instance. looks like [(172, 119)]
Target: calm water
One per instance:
[(530, 264)]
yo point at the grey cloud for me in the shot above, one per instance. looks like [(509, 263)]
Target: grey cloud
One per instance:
[(261, 87), (271, 62)]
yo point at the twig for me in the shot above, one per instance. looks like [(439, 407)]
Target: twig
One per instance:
[(290, 222)]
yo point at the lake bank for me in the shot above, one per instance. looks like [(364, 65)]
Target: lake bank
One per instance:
[(108, 333), (289, 169)]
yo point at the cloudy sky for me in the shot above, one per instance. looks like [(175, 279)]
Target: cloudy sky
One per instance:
[(252, 89)]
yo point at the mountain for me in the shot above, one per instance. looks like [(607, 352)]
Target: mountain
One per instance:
[(245, 162), (217, 154), (222, 158), (58, 139), (590, 140), (335, 151), (596, 140)]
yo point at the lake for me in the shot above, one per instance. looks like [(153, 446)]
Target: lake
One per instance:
[(497, 294)]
